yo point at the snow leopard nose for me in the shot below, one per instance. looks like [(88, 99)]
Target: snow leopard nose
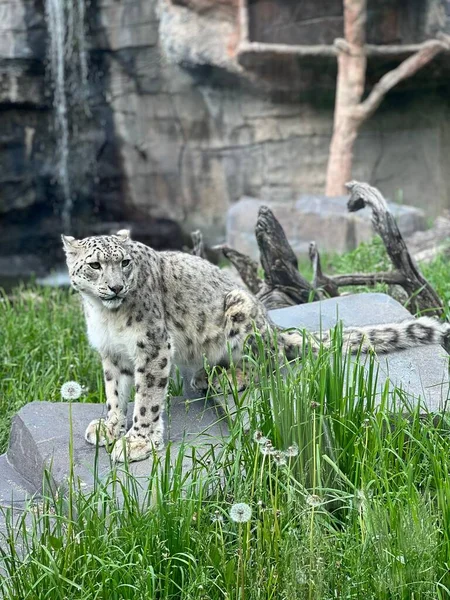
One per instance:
[(116, 288)]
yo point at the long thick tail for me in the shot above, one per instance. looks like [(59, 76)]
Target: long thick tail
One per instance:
[(380, 338)]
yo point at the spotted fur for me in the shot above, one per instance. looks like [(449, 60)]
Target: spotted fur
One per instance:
[(146, 310)]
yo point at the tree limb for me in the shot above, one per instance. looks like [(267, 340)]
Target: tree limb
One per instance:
[(422, 296), (389, 277), (245, 266), (407, 68), (331, 284), (321, 281)]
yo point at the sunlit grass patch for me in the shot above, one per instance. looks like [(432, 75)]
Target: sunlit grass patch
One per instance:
[(358, 507)]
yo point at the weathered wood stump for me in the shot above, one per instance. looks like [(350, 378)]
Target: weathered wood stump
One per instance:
[(283, 285)]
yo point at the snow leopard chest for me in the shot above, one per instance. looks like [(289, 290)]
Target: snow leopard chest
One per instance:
[(109, 334)]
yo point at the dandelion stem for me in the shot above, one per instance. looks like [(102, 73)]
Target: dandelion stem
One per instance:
[(311, 527)]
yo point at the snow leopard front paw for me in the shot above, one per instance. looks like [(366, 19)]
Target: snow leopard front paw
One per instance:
[(199, 381), (104, 432), (133, 447)]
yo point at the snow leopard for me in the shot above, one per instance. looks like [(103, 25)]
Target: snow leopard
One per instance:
[(147, 310)]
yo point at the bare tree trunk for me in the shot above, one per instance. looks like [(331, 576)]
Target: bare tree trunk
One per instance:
[(350, 113), (350, 88)]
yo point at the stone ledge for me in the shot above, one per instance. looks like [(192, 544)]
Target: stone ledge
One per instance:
[(14, 489), (43, 431)]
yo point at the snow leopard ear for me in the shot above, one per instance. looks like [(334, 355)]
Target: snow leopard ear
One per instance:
[(123, 235), (70, 244)]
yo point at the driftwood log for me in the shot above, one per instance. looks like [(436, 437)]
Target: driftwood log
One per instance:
[(421, 295), (283, 285)]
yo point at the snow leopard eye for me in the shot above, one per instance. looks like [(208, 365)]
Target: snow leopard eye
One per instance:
[(94, 265), (125, 262)]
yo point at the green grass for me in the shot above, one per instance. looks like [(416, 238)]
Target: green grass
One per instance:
[(43, 345), (361, 512)]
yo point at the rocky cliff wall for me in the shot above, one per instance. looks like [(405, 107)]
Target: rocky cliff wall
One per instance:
[(177, 129), (196, 134)]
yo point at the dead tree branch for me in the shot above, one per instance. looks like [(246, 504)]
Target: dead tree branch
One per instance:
[(406, 69), (369, 279), (245, 266), (283, 284), (320, 281), (422, 296), (330, 284)]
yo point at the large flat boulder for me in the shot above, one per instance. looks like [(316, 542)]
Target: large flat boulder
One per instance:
[(320, 218), (42, 434)]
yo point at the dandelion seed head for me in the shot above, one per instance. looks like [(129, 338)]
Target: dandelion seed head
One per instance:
[(313, 500), (279, 458), (259, 438), (240, 512), (292, 451), (217, 517), (267, 448), (71, 390)]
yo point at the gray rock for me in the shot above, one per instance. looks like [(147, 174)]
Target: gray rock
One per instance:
[(43, 435), (14, 489), (316, 218), (15, 495)]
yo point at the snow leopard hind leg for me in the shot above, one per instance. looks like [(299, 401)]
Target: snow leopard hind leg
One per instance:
[(244, 318)]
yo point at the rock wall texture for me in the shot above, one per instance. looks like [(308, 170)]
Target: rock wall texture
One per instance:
[(179, 129)]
